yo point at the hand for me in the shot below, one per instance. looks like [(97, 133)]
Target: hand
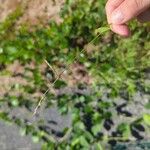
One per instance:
[(119, 12)]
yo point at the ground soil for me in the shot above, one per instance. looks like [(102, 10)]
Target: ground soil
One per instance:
[(35, 10)]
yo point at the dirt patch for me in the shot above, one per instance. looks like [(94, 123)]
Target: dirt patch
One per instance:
[(36, 11), (15, 76), (77, 74), (7, 6), (8, 79), (39, 11)]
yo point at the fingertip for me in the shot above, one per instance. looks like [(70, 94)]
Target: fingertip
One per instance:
[(122, 30), (111, 5)]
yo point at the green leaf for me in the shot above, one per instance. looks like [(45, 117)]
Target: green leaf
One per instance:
[(102, 30), (35, 138), (15, 102), (59, 84), (23, 131), (80, 125), (96, 129), (146, 118), (75, 141), (147, 106), (125, 130), (98, 146), (83, 141), (1, 50), (4, 116)]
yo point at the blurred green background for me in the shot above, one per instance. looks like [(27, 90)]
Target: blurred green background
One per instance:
[(114, 72)]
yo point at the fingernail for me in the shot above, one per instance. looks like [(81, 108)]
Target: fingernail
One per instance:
[(117, 17)]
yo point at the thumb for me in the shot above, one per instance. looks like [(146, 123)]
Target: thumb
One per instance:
[(128, 10)]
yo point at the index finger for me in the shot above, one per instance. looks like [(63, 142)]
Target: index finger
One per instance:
[(111, 5)]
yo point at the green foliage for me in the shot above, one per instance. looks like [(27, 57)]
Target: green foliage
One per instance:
[(146, 118), (102, 30), (10, 21), (116, 65)]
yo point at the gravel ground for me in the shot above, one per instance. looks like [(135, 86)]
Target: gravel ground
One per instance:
[(10, 139), (55, 123)]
